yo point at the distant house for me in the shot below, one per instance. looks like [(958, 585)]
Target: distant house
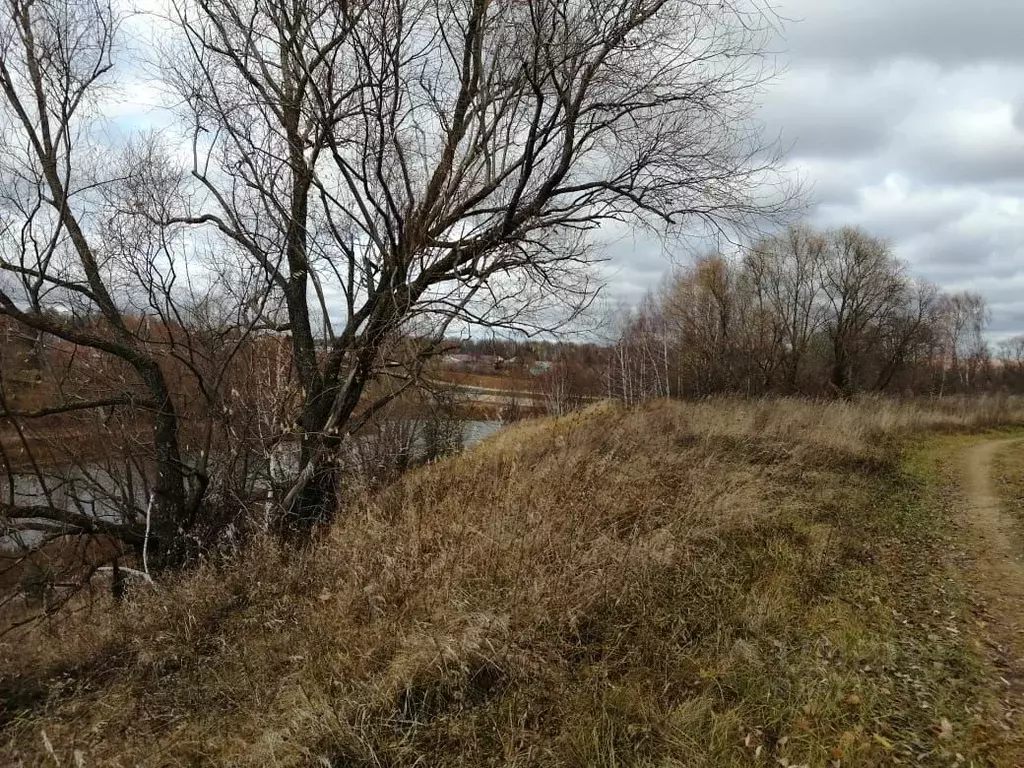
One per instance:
[(541, 367), (459, 360)]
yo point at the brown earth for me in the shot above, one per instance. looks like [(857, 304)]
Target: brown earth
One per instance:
[(995, 557)]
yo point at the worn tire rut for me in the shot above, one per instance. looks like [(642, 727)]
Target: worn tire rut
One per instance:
[(1000, 554), (994, 544)]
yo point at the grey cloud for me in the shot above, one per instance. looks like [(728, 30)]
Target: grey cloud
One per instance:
[(819, 130), (949, 33), (1003, 294), (951, 167), (1007, 320), (823, 113), (636, 264), (896, 211), (905, 117), (831, 191), (1006, 188), (961, 162), (953, 251), (962, 275)]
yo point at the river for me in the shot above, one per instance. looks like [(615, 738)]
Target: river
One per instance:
[(107, 493)]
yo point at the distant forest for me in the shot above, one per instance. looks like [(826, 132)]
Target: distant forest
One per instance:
[(803, 312)]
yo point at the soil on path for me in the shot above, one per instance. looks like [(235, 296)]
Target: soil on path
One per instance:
[(996, 551), (999, 549)]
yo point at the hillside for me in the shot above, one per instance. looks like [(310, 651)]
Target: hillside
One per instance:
[(726, 583)]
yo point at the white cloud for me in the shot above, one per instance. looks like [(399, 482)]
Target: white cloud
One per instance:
[(906, 117)]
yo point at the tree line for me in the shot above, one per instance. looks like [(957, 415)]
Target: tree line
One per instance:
[(808, 312)]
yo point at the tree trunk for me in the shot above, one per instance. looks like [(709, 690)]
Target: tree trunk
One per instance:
[(173, 519)]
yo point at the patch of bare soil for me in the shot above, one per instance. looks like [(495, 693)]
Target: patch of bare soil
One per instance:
[(996, 554)]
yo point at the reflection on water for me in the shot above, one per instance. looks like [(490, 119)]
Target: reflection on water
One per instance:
[(475, 431), (121, 495)]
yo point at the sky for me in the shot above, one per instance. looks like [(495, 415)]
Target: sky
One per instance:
[(904, 117)]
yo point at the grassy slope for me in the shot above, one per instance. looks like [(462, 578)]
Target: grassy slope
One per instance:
[(674, 585), (1009, 478)]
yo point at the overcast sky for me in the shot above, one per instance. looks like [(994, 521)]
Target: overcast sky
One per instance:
[(905, 117)]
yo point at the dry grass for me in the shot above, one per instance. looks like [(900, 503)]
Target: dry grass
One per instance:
[(678, 584), (1009, 479)]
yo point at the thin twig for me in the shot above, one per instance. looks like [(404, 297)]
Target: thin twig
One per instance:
[(145, 539)]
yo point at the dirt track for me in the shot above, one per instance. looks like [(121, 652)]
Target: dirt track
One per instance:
[(1001, 556), (997, 553)]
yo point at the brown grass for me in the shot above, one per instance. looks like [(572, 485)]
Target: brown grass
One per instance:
[(1009, 480), (678, 584)]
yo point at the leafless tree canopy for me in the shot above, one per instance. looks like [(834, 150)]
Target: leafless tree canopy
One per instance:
[(55, 59), (404, 159), (805, 312), (341, 182)]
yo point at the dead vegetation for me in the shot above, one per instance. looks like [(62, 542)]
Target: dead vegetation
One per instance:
[(1009, 481), (725, 582)]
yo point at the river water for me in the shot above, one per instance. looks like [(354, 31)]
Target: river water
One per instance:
[(109, 493), (475, 431)]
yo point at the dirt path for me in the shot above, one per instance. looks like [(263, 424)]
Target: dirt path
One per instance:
[(994, 530), (996, 550)]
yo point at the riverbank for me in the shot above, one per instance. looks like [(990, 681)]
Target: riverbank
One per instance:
[(726, 583)]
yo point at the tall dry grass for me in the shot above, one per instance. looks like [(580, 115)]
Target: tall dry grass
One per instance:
[(666, 585)]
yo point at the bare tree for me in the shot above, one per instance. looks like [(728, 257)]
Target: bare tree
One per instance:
[(408, 159), (802, 312), (63, 276), (701, 311), (566, 386), (638, 367), (784, 274), (1011, 351), (1011, 360), (964, 317), (861, 281), (907, 336)]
